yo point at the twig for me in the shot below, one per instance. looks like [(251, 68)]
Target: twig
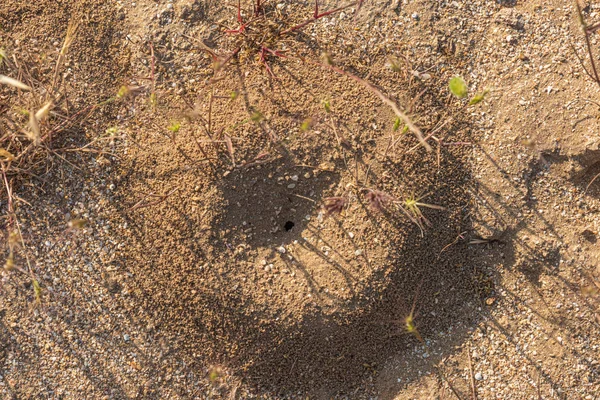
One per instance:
[(471, 376), (586, 32)]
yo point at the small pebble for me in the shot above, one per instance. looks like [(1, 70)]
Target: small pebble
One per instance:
[(478, 376)]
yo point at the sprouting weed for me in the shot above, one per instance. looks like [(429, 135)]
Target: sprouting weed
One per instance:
[(412, 206), (479, 97), (14, 239), (334, 205), (153, 100), (112, 131), (123, 91), (397, 124), (234, 95), (394, 64), (174, 127), (215, 375), (458, 87), (327, 106), (409, 323), (378, 200), (306, 125), (126, 91), (37, 291), (9, 265)]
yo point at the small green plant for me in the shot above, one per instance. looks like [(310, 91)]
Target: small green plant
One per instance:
[(174, 127), (479, 97), (458, 87), (413, 205)]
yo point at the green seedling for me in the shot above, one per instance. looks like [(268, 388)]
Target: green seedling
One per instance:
[(174, 127), (412, 207), (398, 124), (37, 291), (394, 64), (479, 97), (9, 265), (458, 87), (306, 125), (153, 100), (327, 106)]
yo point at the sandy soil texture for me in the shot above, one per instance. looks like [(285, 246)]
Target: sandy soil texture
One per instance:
[(220, 208)]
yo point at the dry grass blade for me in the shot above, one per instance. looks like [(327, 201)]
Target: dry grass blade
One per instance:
[(69, 37), (7, 155), (34, 134), (230, 150), (6, 80), (43, 112)]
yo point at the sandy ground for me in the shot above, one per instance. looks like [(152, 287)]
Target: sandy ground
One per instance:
[(209, 267)]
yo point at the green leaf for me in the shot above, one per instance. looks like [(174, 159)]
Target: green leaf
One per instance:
[(458, 87), (327, 106), (306, 125), (478, 98), (174, 127), (397, 123)]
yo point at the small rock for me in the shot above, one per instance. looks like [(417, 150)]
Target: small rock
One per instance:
[(478, 376)]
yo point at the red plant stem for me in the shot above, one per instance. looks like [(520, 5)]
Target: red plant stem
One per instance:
[(263, 59), (317, 16)]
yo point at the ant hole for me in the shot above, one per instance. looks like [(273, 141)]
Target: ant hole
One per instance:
[(288, 226)]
